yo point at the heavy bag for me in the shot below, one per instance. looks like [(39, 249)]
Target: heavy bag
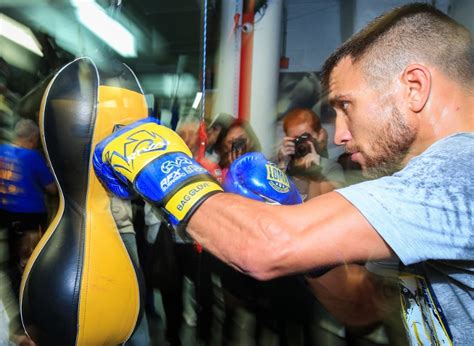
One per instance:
[(80, 286)]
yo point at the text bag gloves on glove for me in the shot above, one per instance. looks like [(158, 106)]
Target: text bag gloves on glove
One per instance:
[(157, 164), (80, 286)]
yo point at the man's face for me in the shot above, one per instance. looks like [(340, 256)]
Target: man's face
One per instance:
[(368, 122)]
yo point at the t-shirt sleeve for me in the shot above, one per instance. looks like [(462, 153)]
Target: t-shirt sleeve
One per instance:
[(42, 171), (425, 211)]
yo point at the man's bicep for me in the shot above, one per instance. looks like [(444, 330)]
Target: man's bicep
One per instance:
[(332, 231), (329, 185)]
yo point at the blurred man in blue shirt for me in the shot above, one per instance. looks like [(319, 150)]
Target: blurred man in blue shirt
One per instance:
[(24, 178)]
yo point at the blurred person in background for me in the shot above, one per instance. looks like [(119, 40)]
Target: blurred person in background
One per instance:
[(24, 180), (215, 131), (122, 213), (188, 130), (282, 304), (303, 154), (235, 141), (238, 290), (174, 259)]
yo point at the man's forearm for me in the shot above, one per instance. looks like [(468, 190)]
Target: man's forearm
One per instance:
[(267, 240), (355, 296), (244, 233)]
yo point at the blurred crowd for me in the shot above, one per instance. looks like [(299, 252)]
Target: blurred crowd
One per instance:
[(186, 287)]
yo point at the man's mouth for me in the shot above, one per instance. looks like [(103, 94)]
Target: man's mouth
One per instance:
[(355, 153), (355, 156)]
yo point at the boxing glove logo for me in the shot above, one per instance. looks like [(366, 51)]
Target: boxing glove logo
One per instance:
[(176, 169), (131, 151), (167, 166), (277, 179)]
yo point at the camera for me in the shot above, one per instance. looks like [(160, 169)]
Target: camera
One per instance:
[(239, 144), (302, 146)]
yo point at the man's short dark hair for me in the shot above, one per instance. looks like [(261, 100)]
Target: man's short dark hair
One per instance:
[(414, 33)]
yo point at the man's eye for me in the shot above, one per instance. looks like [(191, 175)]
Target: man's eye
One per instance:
[(344, 105)]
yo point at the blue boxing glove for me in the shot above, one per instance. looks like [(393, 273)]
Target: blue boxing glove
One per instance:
[(154, 161), (253, 176)]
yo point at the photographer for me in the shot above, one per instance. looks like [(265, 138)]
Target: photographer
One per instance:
[(237, 140), (303, 154)]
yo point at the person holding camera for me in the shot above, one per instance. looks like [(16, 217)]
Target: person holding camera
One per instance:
[(236, 140), (303, 154)]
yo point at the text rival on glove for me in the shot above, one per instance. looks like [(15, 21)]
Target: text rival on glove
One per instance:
[(151, 147)]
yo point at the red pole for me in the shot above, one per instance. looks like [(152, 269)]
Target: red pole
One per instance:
[(245, 85)]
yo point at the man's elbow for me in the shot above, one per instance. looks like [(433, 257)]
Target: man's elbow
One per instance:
[(267, 260)]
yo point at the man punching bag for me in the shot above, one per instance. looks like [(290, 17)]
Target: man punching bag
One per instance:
[(80, 286)]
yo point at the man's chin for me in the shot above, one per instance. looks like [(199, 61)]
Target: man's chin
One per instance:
[(379, 170), (370, 173)]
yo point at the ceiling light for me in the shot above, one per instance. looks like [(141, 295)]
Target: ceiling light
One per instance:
[(19, 34), (197, 100), (92, 16)]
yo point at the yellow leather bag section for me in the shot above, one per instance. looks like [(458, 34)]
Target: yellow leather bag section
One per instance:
[(180, 204), (109, 297), (133, 150)]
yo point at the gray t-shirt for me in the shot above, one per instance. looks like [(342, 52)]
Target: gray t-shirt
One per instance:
[(425, 213)]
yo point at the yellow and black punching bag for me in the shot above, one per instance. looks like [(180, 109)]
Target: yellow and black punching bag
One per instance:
[(80, 286)]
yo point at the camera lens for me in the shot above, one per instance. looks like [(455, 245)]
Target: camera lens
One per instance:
[(302, 147), (239, 144)]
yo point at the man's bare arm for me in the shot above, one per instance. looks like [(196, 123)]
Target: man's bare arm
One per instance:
[(355, 296), (317, 188), (267, 241)]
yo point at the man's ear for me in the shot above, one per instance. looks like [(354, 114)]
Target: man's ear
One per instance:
[(417, 78)]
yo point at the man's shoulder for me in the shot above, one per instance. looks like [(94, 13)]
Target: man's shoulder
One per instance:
[(450, 155), (455, 143)]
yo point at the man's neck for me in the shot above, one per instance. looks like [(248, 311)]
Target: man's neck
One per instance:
[(446, 113), (22, 143)]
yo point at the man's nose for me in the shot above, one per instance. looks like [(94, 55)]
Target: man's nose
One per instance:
[(342, 135)]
